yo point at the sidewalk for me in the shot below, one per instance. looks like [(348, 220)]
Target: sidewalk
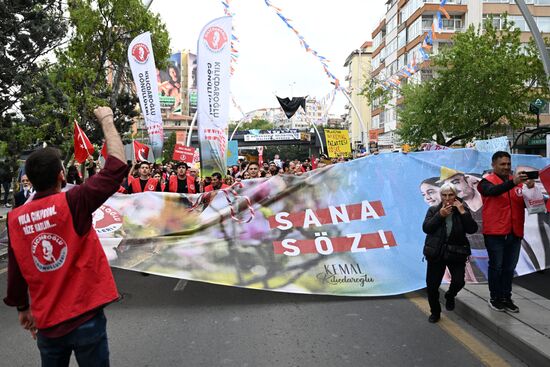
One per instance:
[(525, 334)]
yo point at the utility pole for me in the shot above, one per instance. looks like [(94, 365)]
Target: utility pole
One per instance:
[(537, 36)]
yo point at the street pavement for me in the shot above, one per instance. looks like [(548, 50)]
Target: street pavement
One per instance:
[(208, 325)]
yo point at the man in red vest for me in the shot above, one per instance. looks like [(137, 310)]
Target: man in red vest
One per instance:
[(58, 276), (145, 182), (182, 182), (503, 222), (216, 184)]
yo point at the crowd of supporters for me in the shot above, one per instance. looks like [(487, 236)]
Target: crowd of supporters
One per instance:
[(179, 177)]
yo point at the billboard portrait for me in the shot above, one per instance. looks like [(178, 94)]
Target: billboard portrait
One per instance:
[(169, 85)]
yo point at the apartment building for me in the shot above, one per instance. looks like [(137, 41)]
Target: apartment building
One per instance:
[(398, 38), (359, 68)]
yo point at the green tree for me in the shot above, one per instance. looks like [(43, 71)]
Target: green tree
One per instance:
[(29, 30), (255, 124), (486, 79), (92, 70), (168, 148)]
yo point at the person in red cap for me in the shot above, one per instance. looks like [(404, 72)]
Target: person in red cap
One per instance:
[(58, 275)]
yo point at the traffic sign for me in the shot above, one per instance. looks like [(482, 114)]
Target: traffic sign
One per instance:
[(539, 103), (534, 109)]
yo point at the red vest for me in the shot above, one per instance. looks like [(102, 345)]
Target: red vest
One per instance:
[(211, 188), (150, 186), (67, 274), (173, 184), (503, 214)]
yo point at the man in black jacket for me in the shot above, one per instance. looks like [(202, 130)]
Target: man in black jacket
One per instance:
[(26, 190), (446, 246)]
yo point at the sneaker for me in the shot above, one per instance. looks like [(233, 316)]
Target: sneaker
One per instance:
[(496, 305), (434, 318), (449, 303), (510, 306)]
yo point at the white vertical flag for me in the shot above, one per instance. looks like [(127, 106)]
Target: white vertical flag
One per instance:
[(213, 72), (142, 63)]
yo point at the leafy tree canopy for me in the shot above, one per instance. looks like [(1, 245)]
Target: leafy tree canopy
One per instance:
[(92, 70), (29, 30), (259, 124), (484, 80)]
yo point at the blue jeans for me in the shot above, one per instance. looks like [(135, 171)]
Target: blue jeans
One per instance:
[(503, 257), (89, 342)]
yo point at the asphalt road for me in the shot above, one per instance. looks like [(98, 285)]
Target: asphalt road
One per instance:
[(208, 325), (538, 282)]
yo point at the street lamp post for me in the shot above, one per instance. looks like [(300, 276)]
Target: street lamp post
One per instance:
[(537, 36)]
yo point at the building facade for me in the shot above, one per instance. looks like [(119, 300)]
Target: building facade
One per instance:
[(358, 121), (398, 38)]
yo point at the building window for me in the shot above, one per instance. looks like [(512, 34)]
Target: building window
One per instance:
[(392, 24), (377, 41), (453, 24), (402, 39), (376, 122), (427, 21), (391, 47), (414, 30), (543, 23)]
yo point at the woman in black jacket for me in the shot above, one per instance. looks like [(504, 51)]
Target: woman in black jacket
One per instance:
[(446, 246)]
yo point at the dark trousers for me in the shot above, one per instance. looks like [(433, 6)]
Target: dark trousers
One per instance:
[(89, 342), (6, 186), (434, 276), (503, 257)]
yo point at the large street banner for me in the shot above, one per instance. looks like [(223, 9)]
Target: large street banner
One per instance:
[(350, 229), (142, 63), (337, 143), (213, 72)]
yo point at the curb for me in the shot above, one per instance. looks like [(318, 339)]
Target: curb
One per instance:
[(511, 331)]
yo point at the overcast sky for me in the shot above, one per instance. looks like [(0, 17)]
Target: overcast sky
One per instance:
[(271, 59)]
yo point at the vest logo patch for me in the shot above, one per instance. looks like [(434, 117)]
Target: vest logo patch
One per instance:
[(519, 192), (49, 252), (106, 220)]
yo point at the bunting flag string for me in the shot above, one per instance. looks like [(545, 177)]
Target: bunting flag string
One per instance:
[(234, 39), (323, 60), (407, 71)]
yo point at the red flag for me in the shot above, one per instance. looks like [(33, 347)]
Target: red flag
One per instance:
[(141, 151), (104, 150), (82, 146), (260, 156), (183, 153), (313, 163)]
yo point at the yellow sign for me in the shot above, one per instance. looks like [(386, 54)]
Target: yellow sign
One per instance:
[(337, 143)]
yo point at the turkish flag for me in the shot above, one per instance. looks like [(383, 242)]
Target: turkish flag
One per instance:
[(141, 151), (82, 146), (260, 156), (104, 150), (313, 164), (183, 153)]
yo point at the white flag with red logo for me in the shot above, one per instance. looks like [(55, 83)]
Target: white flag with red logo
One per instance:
[(141, 151), (82, 145), (142, 63), (213, 74)]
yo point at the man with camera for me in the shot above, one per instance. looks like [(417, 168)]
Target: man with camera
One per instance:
[(503, 225)]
